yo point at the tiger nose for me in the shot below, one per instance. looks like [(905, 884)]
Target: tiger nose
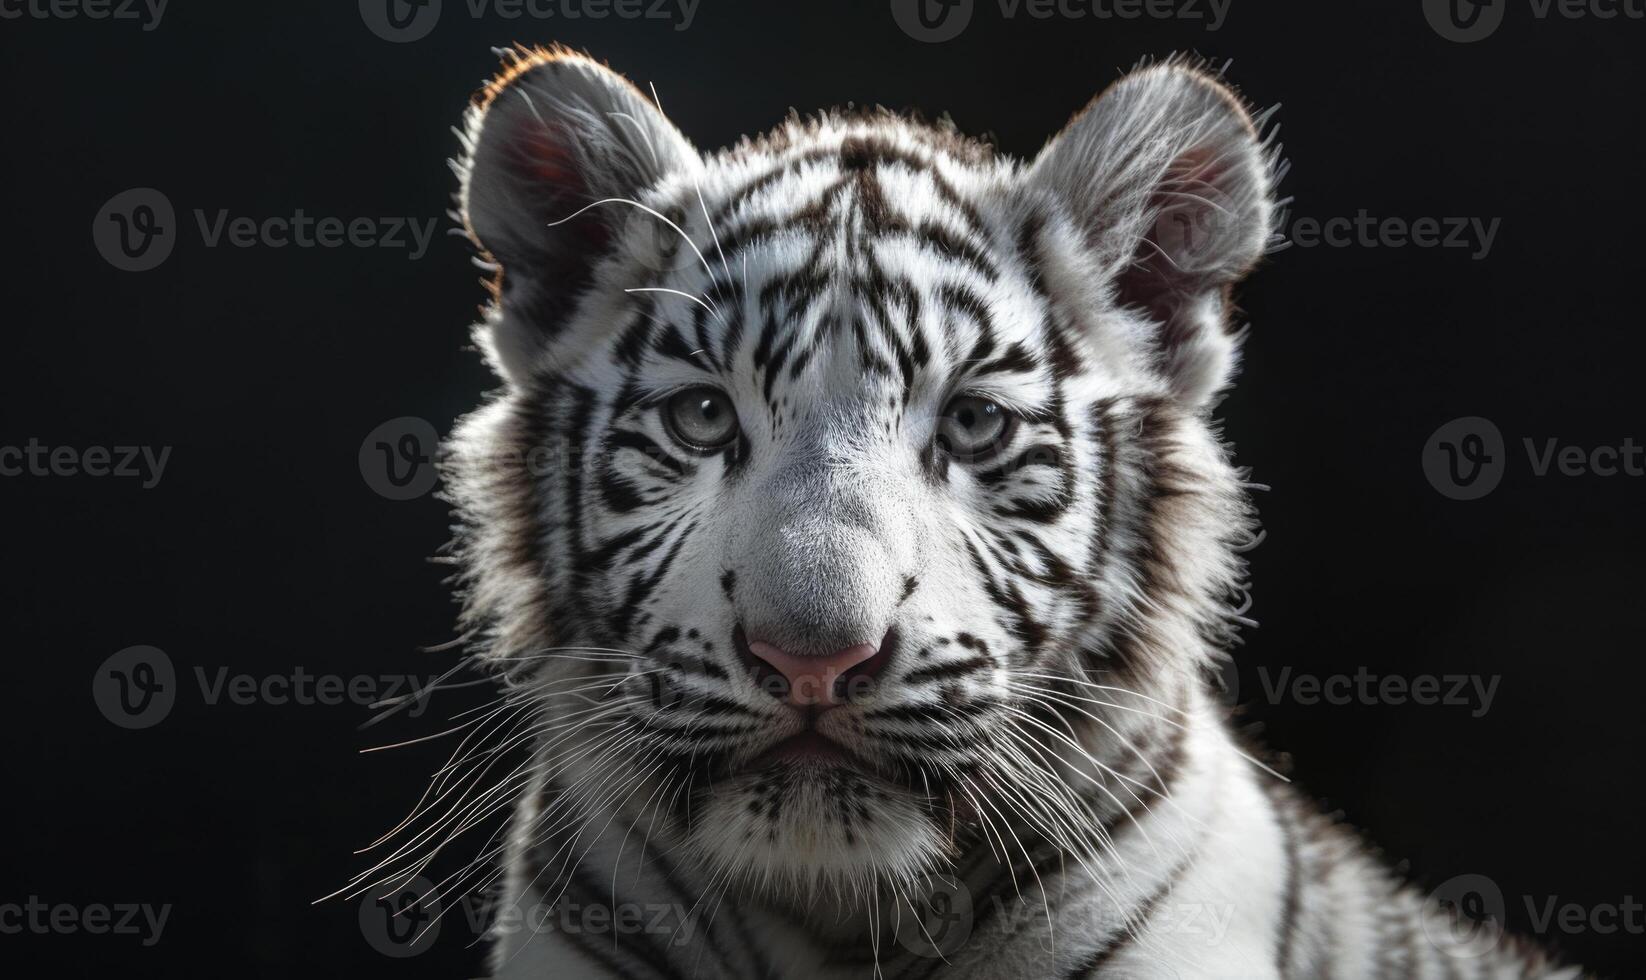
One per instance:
[(821, 680)]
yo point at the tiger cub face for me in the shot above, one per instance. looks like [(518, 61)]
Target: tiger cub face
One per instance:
[(851, 457)]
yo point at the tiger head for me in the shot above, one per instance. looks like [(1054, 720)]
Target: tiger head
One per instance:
[(851, 494)]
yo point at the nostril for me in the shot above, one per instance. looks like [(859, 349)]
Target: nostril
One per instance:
[(766, 676), (854, 684), (826, 679)]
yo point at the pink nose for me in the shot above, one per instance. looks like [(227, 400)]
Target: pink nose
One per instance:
[(818, 680)]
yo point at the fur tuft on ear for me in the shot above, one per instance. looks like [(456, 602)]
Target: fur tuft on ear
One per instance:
[(553, 134), (1172, 190)]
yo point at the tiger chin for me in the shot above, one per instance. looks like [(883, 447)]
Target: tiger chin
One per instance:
[(855, 549)]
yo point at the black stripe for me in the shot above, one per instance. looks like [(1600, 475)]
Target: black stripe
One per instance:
[(1286, 929), (632, 340), (640, 951), (1123, 940), (960, 299), (641, 585), (639, 442)]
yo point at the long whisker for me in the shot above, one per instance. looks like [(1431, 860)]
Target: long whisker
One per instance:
[(651, 211)]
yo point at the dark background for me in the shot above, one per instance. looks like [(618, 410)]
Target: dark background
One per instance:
[(264, 548)]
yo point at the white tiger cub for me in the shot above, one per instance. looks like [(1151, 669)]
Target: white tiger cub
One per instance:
[(854, 542)]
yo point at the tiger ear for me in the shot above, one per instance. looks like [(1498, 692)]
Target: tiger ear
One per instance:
[(1171, 191), (554, 133)]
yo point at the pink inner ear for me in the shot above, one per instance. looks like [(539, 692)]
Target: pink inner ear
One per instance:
[(1184, 250), (1196, 221), (1200, 164), (545, 164), (543, 151)]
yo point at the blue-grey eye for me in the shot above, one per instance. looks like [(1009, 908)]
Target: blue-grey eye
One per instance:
[(973, 428), (701, 418)]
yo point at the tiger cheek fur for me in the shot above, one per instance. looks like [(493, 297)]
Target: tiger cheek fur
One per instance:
[(852, 514)]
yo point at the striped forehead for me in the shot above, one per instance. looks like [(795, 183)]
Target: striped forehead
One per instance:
[(866, 257), (852, 186)]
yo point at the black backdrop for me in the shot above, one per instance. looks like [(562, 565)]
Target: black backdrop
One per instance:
[(263, 548)]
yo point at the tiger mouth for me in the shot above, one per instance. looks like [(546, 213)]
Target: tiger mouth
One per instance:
[(808, 748)]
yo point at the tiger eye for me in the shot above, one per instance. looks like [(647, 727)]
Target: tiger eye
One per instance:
[(973, 427), (701, 418)]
